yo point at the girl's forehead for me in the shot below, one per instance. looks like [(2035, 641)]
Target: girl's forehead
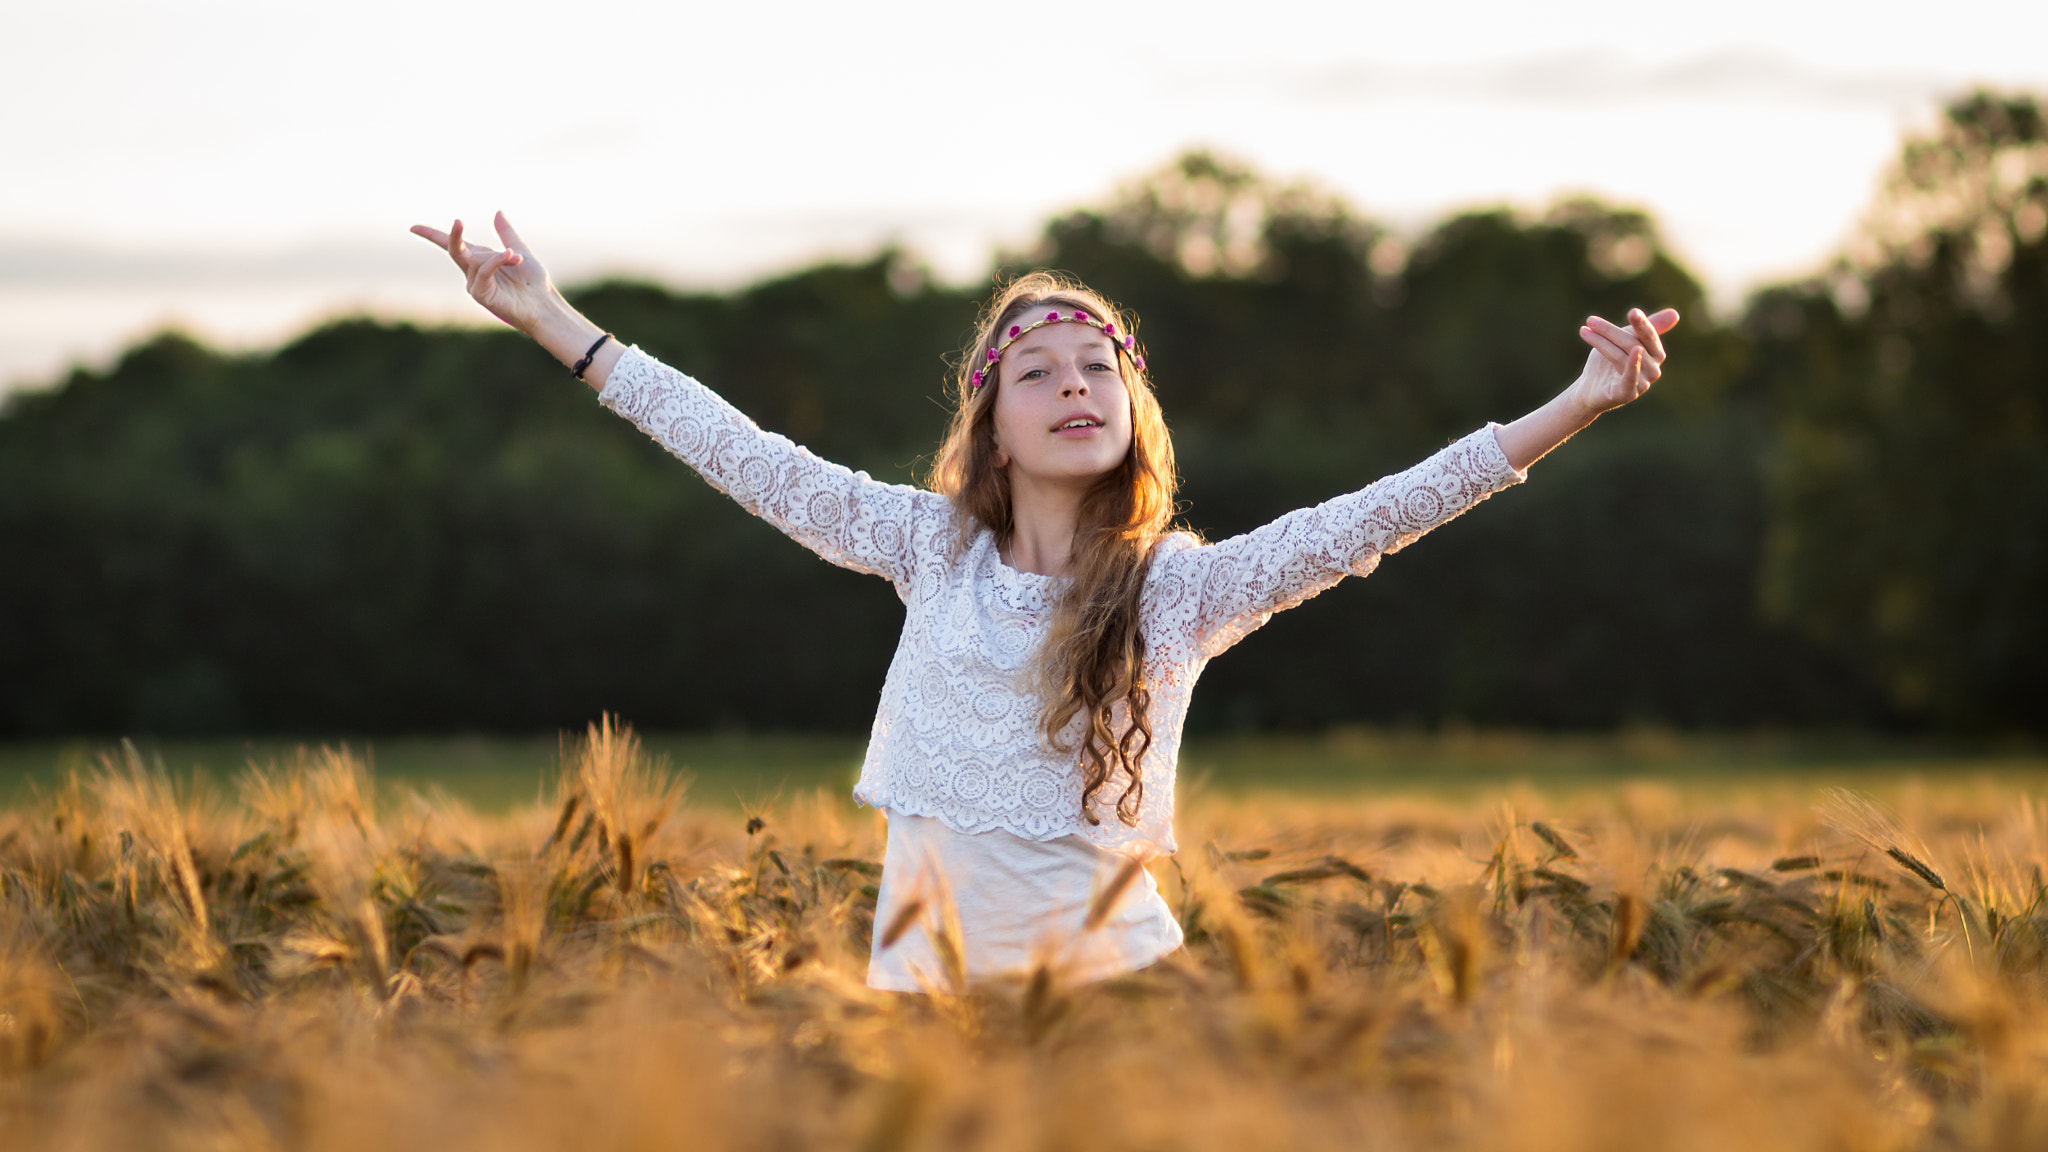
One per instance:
[(1063, 337)]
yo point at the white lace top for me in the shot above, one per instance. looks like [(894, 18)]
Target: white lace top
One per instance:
[(956, 737)]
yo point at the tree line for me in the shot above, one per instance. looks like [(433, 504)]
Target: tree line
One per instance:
[(1833, 511)]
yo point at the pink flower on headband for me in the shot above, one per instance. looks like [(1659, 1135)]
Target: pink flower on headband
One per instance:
[(994, 356), (1109, 330), (977, 377), (1014, 330), (1128, 341), (1083, 316), (1139, 361), (1053, 316)]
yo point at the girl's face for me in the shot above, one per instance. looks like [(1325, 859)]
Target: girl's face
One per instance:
[(1062, 414)]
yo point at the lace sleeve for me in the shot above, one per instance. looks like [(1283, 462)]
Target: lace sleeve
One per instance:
[(1226, 590), (840, 514)]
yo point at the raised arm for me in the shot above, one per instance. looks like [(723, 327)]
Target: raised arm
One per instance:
[(1213, 595), (842, 515)]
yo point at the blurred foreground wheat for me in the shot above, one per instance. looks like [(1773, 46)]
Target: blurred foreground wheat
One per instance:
[(298, 969)]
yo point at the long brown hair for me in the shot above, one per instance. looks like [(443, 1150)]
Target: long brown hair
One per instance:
[(1092, 663)]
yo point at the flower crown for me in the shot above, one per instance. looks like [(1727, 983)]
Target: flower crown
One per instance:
[(1124, 341)]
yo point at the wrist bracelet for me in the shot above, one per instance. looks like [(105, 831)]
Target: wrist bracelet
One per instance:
[(584, 363)]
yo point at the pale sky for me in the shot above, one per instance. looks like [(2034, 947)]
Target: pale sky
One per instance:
[(245, 169)]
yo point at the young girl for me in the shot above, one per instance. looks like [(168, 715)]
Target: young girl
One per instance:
[(1055, 624)]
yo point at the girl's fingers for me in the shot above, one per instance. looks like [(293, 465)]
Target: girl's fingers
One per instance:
[(511, 237), (1646, 334), (1624, 338), (472, 259), (457, 250), (1615, 353), (489, 268), (1663, 320), (1628, 387), (1648, 372)]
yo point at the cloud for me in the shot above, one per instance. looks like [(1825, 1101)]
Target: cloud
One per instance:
[(80, 265), (709, 248), (1578, 79)]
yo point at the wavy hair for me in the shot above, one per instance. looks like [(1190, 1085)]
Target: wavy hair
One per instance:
[(1092, 662)]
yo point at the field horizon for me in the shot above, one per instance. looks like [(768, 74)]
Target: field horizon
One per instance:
[(497, 773)]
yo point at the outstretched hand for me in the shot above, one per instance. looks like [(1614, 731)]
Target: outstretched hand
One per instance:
[(509, 283), (513, 286), (1624, 361), (1622, 366)]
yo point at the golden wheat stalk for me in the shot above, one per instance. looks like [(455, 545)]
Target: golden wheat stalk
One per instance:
[(1106, 900), (1860, 818), (1550, 836), (1631, 913), (901, 923)]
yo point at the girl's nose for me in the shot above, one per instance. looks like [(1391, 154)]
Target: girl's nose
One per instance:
[(1074, 384)]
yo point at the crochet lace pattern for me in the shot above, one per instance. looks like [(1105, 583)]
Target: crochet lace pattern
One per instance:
[(956, 736)]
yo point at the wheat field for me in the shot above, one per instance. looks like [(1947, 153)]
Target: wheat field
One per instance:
[(301, 961)]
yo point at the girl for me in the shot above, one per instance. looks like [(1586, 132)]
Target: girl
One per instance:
[(1054, 627)]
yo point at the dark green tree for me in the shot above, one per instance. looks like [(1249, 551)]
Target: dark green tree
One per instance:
[(1911, 493)]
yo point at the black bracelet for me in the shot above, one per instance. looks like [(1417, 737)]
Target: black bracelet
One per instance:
[(577, 371)]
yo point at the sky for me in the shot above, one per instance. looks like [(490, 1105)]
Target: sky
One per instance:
[(245, 170)]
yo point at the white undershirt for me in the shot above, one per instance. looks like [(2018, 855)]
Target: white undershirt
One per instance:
[(1021, 903)]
